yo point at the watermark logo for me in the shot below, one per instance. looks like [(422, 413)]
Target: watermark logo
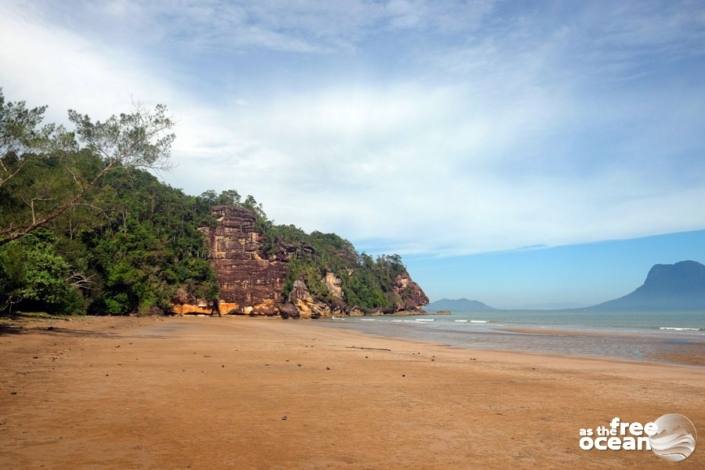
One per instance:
[(675, 438), (671, 437)]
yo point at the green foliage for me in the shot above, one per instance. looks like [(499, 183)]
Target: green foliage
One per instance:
[(131, 246), (48, 170), (366, 282), (84, 228), (141, 139), (34, 276), (134, 245)]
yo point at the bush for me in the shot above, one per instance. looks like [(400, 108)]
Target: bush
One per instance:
[(34, 277)]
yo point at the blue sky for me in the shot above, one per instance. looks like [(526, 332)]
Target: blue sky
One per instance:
[(442, 130), (556, 277)]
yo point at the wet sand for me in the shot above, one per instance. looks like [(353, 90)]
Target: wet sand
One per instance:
[(266, 393), (610, 343)]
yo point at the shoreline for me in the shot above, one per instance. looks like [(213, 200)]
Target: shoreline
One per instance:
[(239, 392), (634, 346)]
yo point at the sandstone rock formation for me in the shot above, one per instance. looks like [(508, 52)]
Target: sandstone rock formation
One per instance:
[(334, 285), (249, 284), (304, 303), (410, 294), (252, 283)]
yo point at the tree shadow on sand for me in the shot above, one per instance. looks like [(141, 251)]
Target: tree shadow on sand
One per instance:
[(10, 329)]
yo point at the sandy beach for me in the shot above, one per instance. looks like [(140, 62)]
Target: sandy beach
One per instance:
[(239, 392)]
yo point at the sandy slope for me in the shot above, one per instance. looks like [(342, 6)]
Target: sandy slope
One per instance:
[(260, 393)]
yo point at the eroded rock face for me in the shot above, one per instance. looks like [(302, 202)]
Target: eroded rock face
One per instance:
[(252, 284), (306, 306), (249, 284), (411, 296), (334, 285)]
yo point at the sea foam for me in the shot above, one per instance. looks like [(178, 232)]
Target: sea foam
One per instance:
[(675, 328)]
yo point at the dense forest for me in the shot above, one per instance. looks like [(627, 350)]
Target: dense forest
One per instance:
[(85, 227)]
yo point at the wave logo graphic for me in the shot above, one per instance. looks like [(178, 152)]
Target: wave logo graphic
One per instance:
[(675, 438)]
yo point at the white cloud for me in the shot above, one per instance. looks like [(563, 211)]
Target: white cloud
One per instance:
[(474, 153)]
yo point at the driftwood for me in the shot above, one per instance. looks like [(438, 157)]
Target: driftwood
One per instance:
[(369, 349)]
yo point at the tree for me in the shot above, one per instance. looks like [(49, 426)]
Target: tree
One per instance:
[(229, 197), (141, 139), (21, 134), (33, 274)]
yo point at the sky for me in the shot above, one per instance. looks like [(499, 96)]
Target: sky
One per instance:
[(472, 137)]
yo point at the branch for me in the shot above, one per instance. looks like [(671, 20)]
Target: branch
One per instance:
[(79, 280), (56, 212), (12, 174)]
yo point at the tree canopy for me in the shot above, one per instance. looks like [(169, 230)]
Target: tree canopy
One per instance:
[(141, 139)]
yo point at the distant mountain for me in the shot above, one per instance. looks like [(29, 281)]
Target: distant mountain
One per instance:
[(679, 286), (458, 305)]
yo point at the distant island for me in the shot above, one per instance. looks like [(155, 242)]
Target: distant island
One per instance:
[(458, 305), (679, 286)]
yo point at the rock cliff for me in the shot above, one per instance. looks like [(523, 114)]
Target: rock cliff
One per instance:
[(255, 281), (408, 295)]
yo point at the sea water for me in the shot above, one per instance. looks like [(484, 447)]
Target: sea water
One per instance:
[(638, 335)]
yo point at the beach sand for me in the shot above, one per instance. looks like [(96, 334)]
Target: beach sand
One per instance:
[(267, 393)]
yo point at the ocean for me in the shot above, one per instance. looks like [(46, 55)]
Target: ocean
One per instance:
[(664, 336)]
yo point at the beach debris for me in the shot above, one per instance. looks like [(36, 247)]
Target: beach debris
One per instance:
[(403, 375), (223, 366), (284, 418), (327, 368), (368, 349), (51, 328), (298, 365)]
